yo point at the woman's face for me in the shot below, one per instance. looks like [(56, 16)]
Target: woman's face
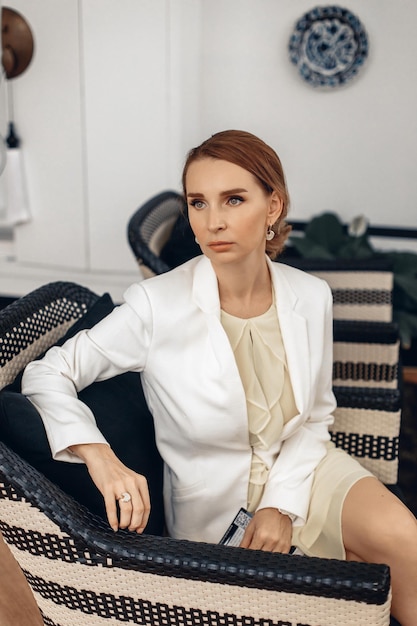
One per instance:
[(229, 211)]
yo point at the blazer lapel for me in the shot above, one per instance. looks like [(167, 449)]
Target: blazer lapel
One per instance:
[(205, 292), (219, 358), (294, 335), (293, 327)]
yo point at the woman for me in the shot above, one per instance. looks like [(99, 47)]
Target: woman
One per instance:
[(236, 359)]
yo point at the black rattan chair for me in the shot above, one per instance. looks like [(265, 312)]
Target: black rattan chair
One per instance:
[(149, 229), (33, 323), (82, 573), (159, 234)]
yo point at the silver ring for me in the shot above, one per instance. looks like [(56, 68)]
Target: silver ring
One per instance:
[(125, 497)]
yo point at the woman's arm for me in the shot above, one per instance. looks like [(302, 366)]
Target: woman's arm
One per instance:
[(113, 479), (119, 343)]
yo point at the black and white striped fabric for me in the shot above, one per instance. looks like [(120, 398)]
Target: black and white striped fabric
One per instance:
[(82, 573), (362, 288), (367, 426), (364, 296), (365, 354)]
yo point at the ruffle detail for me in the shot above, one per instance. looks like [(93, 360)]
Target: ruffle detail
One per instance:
[(260, 356)]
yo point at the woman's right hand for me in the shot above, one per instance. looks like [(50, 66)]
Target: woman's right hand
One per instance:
[(113, 479)]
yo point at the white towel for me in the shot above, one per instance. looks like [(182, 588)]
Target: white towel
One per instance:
[(15, 197)]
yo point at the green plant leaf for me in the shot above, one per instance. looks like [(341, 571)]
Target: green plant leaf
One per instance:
[(309, 249), (406, 290), (356, 248), (407, 325), (326, 230), (403, 262)]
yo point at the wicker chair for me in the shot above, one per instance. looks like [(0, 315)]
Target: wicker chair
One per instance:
[(30, 325), (83, 573), (149, 229)]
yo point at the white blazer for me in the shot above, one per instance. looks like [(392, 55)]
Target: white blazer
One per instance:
[(169, 329)]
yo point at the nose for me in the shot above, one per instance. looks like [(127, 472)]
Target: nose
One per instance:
[(216, 219)]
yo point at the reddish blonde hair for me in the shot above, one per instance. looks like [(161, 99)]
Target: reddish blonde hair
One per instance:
[(255, 156)]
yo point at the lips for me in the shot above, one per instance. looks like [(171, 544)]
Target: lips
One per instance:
[(216, 245)]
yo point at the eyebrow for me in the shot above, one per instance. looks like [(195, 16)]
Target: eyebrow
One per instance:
[(228, 192)]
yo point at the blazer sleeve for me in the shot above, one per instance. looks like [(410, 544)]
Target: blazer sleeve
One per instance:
[(117, 344), (290, 479)]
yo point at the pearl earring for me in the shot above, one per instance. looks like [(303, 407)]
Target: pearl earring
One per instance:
[(270, 234)]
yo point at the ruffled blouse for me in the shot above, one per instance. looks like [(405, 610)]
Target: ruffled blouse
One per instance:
[(260, 356)]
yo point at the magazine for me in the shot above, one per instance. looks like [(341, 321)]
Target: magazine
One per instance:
[(234, 534)]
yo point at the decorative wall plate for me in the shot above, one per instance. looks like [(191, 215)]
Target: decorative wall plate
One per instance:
[(328, 45)]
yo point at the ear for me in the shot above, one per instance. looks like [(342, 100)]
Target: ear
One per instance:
[(275, 207)]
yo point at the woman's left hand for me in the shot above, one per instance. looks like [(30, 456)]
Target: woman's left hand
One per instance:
[(268, 530)]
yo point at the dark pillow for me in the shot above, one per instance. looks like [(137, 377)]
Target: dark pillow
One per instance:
[(122, 415), (181, 245)]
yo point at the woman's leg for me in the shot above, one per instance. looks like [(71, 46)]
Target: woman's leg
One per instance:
[(378, 528), (17, 604)]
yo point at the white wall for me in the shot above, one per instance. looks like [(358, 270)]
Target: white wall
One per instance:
[(351, 150), (47, 113), (117, 92)]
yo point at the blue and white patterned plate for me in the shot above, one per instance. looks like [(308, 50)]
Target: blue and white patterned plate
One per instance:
[(328, 45)]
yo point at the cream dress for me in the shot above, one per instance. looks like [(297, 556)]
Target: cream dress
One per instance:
[(260, 356)]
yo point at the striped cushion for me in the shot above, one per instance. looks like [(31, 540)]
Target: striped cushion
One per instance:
[(365, 354), (367, 426), (362, 288), (365, 296)]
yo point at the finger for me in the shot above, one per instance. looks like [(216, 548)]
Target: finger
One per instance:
[(282, 547), (134, 505), (111, 511), (139, 518), (125, 509), (263, 540), (141, 507), (256, 536), (145, 520), (257, 543), (248, 536)]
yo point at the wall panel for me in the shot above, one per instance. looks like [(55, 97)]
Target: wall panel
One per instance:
[(48, 118)]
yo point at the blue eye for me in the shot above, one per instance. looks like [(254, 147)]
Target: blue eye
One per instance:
[(197, 204), (235, 200)]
